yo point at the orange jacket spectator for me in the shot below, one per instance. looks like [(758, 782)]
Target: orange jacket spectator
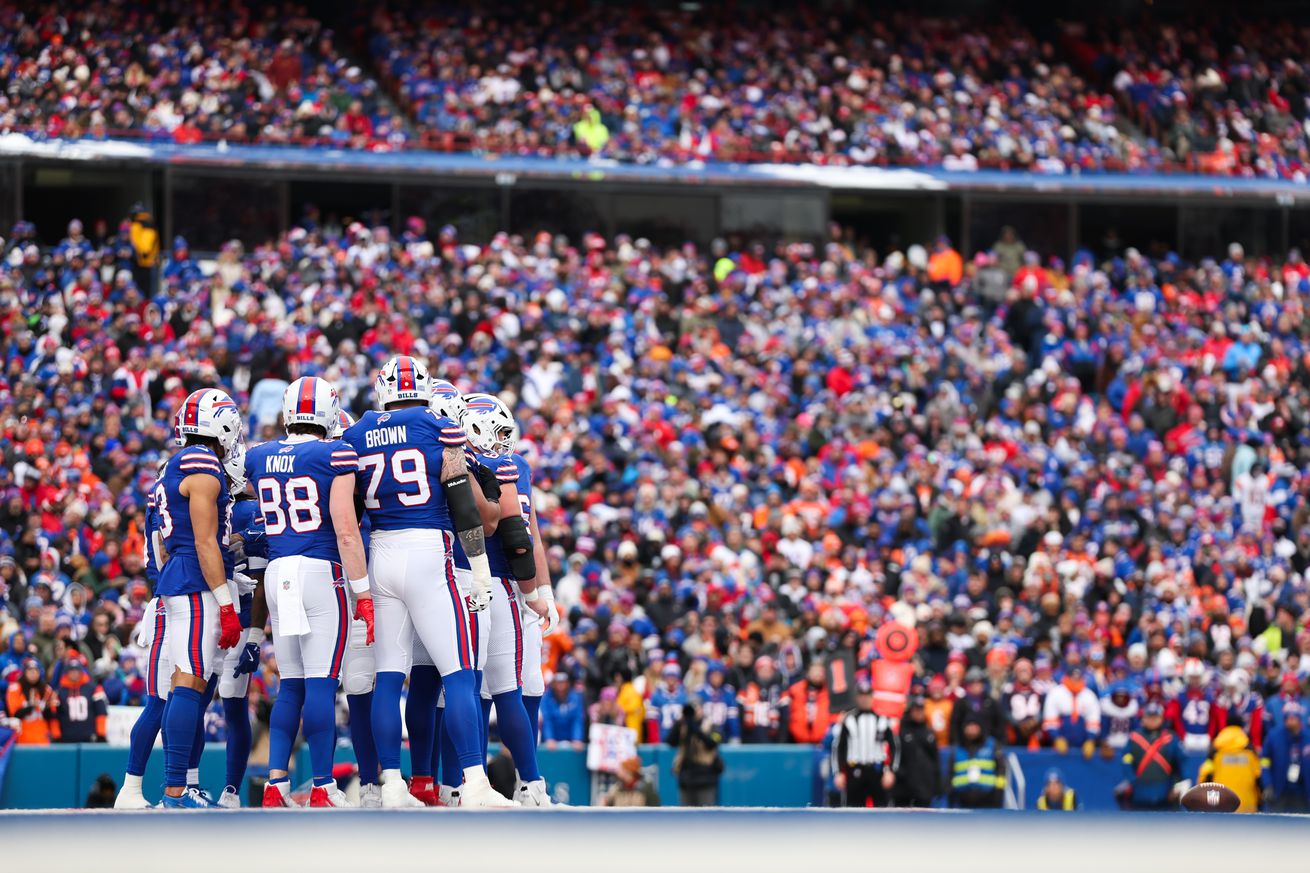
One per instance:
[(32, 702), (557, 645), (945, 263), (808, 699), (938, 714)]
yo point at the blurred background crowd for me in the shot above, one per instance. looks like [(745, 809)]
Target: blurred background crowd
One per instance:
[(1082, 484), (662, 84)]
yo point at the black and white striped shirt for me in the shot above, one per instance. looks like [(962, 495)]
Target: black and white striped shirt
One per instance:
[(866, 739)]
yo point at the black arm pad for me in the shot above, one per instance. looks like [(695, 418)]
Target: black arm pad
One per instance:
[(459, 497), (517, 543), (487, 479)]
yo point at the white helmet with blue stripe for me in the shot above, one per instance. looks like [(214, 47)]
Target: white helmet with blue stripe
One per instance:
[(234, 463), (489, 425), (209, 413), (447, 401)]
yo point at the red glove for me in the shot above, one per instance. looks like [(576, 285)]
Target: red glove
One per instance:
[(364, 613), (230, 627)]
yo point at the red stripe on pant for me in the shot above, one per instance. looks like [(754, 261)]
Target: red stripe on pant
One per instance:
[(461, 630), (343, 632), (156, 649), (518, 631), (474, 634), (197, 630)]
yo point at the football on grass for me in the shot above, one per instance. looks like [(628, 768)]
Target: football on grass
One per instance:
[(1210, 797)]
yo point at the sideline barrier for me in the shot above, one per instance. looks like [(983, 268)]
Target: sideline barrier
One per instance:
[(59, 776)]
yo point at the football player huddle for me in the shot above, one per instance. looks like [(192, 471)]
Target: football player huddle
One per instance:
[(400, 547)]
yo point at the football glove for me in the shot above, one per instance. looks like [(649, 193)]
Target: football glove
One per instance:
[(249, 660), (229, 626), (364, 613), (551, 622), (487, 481), (480, 598)]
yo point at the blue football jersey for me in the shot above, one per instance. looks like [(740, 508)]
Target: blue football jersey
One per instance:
[(181, 572), (400, 467), (511, 469), (248, 523), (292, 480)]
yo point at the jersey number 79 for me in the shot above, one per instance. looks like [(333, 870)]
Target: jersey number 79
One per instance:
[(407, 467)]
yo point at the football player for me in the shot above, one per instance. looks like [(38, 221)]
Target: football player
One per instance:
[(417, 508), (425, 707), (357, 679), (250, 557), (305, 485), (159, 670), (491, 430), (192, 500)]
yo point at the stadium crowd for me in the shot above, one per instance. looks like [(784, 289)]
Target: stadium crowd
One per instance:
[(271, 73), (865, 88), (1082, 483)]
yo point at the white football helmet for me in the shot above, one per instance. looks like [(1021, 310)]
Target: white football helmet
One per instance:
[(345, 421), (234, 463), (310, 400), (402, 378), (209, 413), (489, 425), (447, 401)]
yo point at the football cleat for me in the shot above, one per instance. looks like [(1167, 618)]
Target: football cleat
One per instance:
[(275, 797), (188, 799), (534, 794), (370, 796), (395, 793), (480, 795), (318, 798), (229, 799), (131, 798), (338, 797), (421, 788)]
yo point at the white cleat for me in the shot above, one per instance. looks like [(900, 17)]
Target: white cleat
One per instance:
[(229, 799), (338, 797), (130, 797), (448, 796), (370, 796), (534, 795), (480, 795), (395, 793)]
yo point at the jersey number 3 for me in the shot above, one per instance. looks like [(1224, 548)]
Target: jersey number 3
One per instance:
[(408, 467), (301, 510)]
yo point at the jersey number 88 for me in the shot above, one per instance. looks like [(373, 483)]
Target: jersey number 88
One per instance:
[(301, 511)]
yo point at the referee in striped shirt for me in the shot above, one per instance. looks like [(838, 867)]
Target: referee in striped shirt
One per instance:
[(866, 754)]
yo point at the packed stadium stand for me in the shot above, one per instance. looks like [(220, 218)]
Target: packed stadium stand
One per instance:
[(803, 334), (719, 84)]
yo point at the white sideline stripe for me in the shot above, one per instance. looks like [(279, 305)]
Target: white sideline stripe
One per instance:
[(654, 840)]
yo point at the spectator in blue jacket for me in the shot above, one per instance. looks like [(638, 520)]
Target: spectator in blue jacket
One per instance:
[(1286, 755), (562, 719), (719, 702)]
